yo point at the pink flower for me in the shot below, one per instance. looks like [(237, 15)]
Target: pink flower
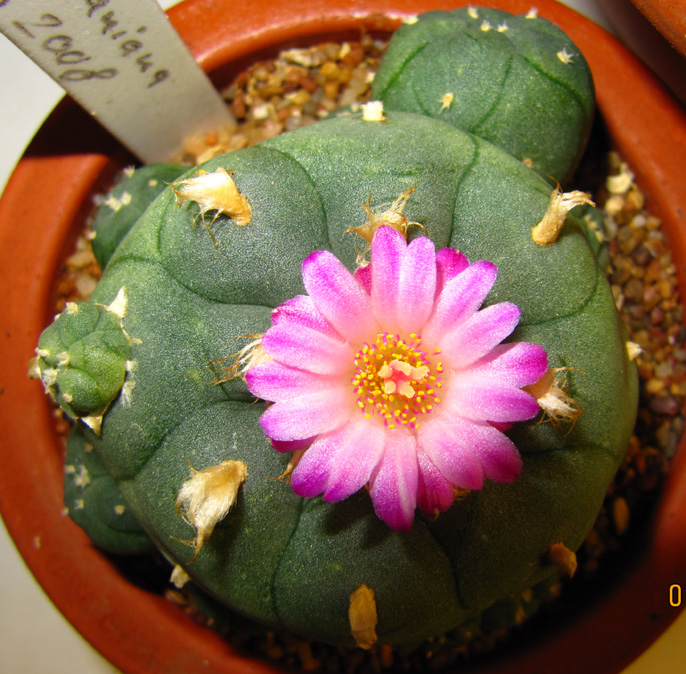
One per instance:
[(394, 376)]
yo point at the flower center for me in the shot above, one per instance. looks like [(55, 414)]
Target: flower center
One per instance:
[(396, 380)]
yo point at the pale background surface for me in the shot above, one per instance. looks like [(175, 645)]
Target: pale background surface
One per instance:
[(34, 637)]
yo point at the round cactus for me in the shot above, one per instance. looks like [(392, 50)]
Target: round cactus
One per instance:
[(190, 442), (517, 81), (82, 358)]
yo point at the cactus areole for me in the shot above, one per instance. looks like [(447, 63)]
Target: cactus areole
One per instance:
[(360, 309)]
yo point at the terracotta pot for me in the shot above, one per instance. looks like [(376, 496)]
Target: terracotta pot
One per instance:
[(40, 213), (669, 17)]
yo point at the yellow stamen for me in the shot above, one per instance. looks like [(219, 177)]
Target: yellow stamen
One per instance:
[(395, 379)]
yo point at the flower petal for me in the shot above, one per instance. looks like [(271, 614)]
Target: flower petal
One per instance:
[(364, 448), (435, 493), (301, 312), (310, 476), (417, 285), (449, 263), (517, 363), (284, 446), (460, 299), (490, 401), (340, 463), (449, 446), (468, 342), (338, 296), (388, 252), (498, 455), (275, 381), (446, 440), (364, 277), (307, 349), (393, 483), (308, 415)]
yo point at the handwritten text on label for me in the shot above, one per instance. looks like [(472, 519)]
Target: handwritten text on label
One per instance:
[(54, 38)]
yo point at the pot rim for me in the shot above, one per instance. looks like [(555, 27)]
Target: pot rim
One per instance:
[(668, 18), (71, 159)]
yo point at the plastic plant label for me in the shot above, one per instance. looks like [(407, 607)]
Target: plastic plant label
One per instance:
[(125, 64)]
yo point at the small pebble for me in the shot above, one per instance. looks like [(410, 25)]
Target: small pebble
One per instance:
[(620, 515)]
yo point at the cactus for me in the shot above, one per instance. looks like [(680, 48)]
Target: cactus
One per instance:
[(125, 204), (82, 358), (517, 81), (180, 433), (95, 503)]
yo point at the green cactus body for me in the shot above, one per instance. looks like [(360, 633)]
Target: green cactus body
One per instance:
[(82, 357), (517, 81), (126, 203), (95, 503), (285, 561)]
